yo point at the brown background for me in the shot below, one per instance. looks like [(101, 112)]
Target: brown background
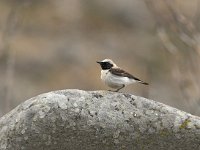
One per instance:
[(51, 45)]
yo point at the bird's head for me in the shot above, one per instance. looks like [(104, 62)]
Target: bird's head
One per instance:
[(106, 64)]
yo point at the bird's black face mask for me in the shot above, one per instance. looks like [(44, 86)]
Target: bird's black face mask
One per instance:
[(105, 65)]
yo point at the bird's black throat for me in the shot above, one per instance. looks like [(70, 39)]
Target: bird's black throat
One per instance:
[(105, 65)]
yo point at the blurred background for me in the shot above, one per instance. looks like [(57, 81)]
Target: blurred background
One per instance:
[(51, 45)]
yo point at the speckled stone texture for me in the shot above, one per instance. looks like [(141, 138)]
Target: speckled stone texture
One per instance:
[(97, 120)]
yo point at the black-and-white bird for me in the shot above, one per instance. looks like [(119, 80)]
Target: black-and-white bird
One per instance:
[(115, 77)]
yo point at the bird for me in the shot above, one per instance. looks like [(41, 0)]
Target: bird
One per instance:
[(115, 77)]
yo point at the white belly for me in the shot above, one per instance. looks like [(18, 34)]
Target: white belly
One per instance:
[(114, 81)]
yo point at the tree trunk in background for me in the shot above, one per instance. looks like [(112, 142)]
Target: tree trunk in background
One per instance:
[(181, 39), (10, 28)]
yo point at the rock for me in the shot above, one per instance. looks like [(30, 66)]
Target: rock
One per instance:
[(101, 120)]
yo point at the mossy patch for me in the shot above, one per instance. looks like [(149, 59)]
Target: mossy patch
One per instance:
[(184, 124), (164, 132)]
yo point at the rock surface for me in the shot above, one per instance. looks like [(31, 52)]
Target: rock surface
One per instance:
[(101, 120)]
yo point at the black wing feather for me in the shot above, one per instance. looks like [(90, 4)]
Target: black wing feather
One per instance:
[(122, 73)]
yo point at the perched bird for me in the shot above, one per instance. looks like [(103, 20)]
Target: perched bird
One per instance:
[(115, 77)]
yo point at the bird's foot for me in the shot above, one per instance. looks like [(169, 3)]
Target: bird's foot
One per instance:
[(113, 91), (110, 90)]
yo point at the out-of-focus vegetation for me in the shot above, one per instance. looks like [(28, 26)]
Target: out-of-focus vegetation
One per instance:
[(50, 45)]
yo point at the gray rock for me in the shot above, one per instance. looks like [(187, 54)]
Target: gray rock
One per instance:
[(102, 120)]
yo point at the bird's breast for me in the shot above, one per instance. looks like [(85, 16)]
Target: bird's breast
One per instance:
[(104, 73), (109, 79)]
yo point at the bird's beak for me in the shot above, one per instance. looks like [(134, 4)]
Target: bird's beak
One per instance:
[(98, 62)]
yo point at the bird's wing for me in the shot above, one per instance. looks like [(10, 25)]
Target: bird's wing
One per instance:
[(122, 73)]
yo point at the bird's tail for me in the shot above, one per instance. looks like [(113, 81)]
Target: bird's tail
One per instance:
[(142, 82)]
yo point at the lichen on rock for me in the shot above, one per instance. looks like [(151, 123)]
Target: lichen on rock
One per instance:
[(76, 119)]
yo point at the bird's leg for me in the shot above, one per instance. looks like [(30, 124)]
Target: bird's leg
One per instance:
[(120, 88)]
